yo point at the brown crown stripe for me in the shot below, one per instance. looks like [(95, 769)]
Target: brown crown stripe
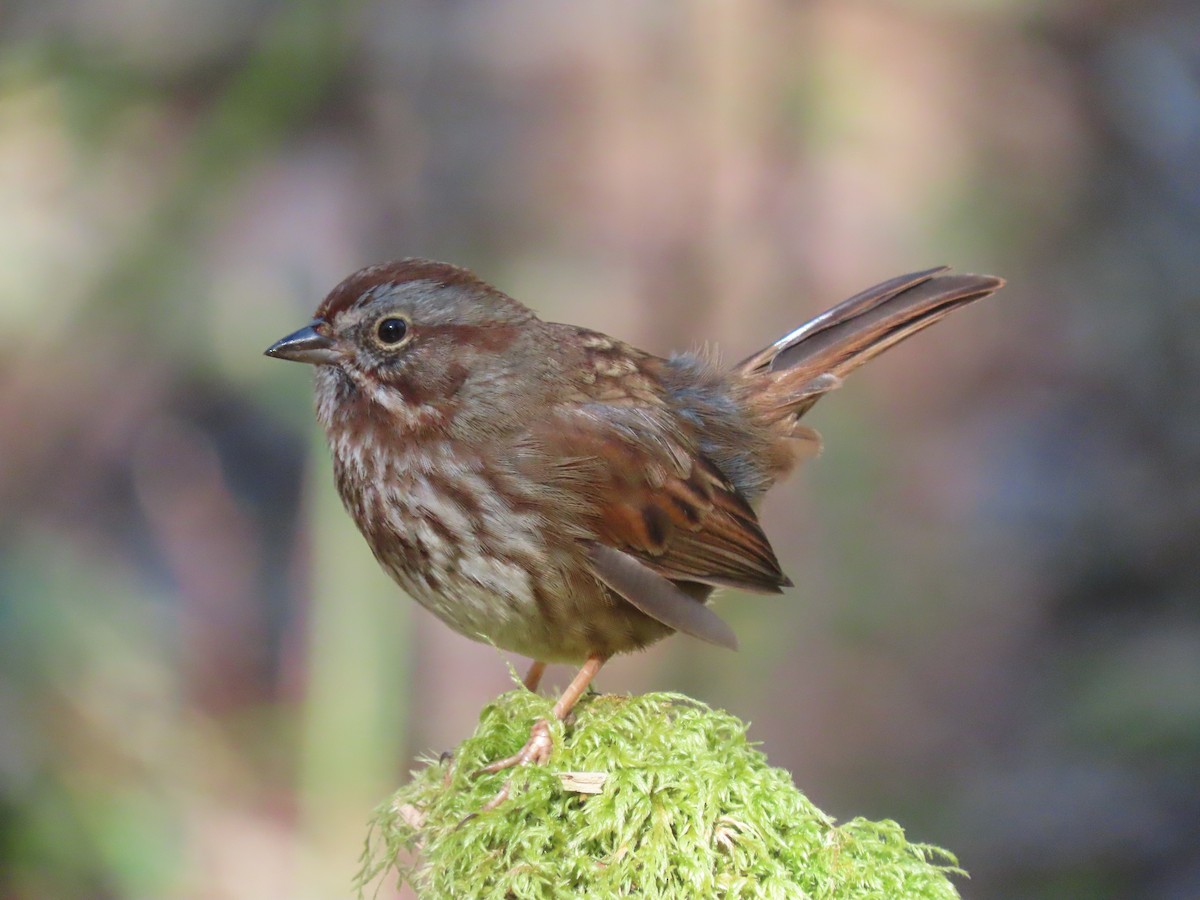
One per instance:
[(351, 290)]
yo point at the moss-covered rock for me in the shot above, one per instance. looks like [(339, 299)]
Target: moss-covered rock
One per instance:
[(688, 808)]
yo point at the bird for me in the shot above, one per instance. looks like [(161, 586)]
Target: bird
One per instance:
[(555, 491)]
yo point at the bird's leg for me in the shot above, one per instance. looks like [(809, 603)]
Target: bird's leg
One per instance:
[(537, 748), (534, 676), (578, 685)]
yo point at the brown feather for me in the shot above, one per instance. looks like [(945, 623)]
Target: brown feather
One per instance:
[(790, 375), (365, 282), (653, 497), (659, 598)]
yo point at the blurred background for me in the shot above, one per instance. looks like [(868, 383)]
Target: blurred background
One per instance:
[(994, 638)]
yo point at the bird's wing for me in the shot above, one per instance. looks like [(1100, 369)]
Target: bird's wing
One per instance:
[(646, 491), (659, 597)]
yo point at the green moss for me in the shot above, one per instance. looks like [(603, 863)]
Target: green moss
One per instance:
[(689, 809)]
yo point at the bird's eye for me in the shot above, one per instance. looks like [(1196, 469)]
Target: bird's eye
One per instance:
[(391, 331)]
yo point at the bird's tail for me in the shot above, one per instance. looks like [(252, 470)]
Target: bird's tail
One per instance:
[(786, 378)]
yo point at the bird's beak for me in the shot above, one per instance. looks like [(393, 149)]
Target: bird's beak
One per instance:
[(306, 345)]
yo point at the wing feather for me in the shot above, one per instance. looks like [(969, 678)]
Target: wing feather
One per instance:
[(648, 493), (658, 597)]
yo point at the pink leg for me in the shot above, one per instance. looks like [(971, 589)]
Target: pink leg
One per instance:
[(534, 676)]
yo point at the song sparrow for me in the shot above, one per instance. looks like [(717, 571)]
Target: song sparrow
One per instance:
[(553, 490)]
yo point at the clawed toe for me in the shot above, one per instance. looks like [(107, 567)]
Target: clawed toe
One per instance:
[(535, 752)]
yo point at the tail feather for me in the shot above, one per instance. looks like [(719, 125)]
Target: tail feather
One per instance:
[(812, 359)]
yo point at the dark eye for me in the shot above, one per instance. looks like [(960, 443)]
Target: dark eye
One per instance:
[(391, 330)]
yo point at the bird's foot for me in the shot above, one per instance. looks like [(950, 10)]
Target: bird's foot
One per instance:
[(537, 749), (536, 752)]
